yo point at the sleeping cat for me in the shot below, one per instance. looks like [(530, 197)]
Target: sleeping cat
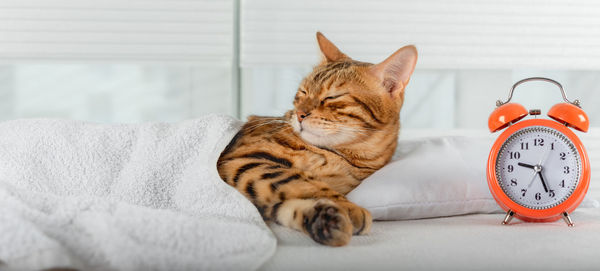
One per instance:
[(344, 126)]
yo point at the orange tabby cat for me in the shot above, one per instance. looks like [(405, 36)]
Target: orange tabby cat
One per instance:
[(344, 126)]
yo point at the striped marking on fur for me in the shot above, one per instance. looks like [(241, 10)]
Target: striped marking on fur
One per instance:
[(250, 191), (271, 175), (243, 169), (270, 157), (367, 108), (276, 185)]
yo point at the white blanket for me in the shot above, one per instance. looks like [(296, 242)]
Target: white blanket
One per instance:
[(124, 197)]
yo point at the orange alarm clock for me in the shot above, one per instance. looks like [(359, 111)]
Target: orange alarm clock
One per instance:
[(538, 169)]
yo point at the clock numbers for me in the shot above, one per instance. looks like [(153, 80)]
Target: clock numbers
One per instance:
[(551, 193), (566, 171), (562, 183), (563, 156), (536, 142), (538, 196), (515, 155), (513, 182), (511, 168), (524, 191)]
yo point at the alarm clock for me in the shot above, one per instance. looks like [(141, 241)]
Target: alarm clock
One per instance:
[(538, 169)]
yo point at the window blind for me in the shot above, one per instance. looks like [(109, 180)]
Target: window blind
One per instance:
[(196, 31), (450, 34)]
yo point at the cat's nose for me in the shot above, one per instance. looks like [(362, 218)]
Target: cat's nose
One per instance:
[(301, 115)]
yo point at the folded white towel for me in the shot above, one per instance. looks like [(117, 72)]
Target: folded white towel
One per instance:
[(124, 197)]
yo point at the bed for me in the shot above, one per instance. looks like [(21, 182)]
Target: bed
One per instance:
[(470, 242), (58, 210), (467, 242)]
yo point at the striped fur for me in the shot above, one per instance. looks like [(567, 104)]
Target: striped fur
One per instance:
[(298, 168)]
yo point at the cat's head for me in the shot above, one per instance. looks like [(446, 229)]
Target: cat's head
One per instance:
[(343, 101)]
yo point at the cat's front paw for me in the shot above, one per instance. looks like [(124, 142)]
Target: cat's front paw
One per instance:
[(328, 224)]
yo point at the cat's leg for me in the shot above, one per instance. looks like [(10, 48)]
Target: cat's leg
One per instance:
[(293, 200), (288, 197), (314, 200)]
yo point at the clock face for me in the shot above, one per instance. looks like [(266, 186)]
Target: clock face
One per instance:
[(538, 167)]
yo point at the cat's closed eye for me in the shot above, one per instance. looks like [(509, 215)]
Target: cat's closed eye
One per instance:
[(332, 98)]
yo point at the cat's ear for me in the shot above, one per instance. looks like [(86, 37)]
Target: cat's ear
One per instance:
[(329, 52), (394, 72)]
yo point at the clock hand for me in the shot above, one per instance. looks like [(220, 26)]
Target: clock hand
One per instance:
[(525, 165), (535, 173), (544, 157), (532, 179), (541, 163), (543, 182)]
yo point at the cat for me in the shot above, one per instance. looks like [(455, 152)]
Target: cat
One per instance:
[(297, 169)]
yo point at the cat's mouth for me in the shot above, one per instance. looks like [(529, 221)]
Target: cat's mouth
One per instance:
[(311, 132), (314, 137), (322, 137)]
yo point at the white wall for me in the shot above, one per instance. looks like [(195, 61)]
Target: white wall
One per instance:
[(470, 52), (451, 34), (116, 61), (113, 92), (150, 60), (439, 99)]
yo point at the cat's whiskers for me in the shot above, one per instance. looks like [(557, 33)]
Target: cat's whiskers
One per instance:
[(361, 130), (343, 125), (280, 129), (345, 129), (263, 123), (270, 121)]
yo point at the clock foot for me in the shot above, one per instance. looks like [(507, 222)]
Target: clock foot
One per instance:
[(508, 217), (567, 219)]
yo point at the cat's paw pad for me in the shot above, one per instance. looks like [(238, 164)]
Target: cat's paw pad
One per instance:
[(328, 224)]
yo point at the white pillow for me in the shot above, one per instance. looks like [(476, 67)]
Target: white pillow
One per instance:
[(432, 177)]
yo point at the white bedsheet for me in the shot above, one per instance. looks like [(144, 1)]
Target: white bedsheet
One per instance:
[(471, 242)]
